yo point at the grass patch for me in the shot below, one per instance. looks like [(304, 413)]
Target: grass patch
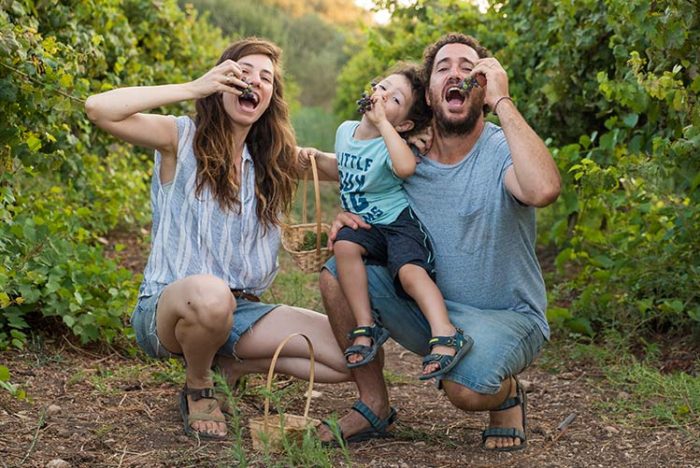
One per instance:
[(651, 399), (641, 395), (392, 378)]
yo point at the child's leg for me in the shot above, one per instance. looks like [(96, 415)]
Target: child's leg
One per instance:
[(352, 277), (418, 284)]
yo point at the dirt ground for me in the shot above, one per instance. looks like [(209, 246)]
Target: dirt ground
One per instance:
[(113, 412)]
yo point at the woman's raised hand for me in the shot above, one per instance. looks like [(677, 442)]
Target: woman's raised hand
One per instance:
[(225, 77)]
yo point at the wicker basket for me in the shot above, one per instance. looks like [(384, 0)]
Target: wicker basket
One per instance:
[(271, 430), (309, 261)]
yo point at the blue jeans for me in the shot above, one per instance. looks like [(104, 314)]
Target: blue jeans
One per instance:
[(143, 321), (505, 341)]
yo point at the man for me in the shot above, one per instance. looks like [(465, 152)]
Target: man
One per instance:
[(475, 190)]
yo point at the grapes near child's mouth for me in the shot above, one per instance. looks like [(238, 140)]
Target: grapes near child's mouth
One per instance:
[(365, 103)]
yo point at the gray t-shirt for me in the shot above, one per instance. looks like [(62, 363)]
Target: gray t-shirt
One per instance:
[(483, 238)]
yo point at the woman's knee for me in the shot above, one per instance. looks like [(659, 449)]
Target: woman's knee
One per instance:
[(210, 300)]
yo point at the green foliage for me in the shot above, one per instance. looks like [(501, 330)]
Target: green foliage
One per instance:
[(315, 127), (628, 220), (8, 386), (63, 183)]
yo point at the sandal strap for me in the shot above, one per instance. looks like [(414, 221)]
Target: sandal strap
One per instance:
[(442, 359), (455, 341), (362, 350), (510, 402), (360, 331), (198, 393), (375, 421), (503, 432), (378, 334), (206, 415)]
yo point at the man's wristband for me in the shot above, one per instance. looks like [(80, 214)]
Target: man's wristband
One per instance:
[(495, 107)]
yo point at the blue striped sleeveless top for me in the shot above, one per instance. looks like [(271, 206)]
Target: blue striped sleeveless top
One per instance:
[(192, 235)]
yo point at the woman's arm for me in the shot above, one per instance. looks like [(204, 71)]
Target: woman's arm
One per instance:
[(119, 111), (326, 163)]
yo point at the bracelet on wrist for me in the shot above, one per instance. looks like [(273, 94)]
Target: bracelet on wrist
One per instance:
[(495, 107)]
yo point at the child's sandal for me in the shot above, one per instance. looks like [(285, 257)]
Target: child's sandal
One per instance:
[(377, 334), (462, 344)]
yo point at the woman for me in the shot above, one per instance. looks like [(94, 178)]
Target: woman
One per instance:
[(219, 185)]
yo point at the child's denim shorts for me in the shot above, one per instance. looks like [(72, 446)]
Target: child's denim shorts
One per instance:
[(143, 321), (505, 341)]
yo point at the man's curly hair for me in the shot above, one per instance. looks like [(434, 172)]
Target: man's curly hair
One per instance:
[(452, 38)]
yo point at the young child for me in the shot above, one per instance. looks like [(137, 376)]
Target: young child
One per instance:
[(373, 159)]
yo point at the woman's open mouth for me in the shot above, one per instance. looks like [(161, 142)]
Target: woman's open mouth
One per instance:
[(248, 101)]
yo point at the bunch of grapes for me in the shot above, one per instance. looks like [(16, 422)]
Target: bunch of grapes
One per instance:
[(365, 103), (467, 84), (476, 81), (247, 91)]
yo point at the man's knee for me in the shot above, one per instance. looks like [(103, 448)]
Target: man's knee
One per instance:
[(465, 398)]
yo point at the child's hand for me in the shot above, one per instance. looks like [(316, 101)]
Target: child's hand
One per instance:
[(304, 157), (377, 114)]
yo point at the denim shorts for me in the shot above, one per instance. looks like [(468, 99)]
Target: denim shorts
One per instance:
[(505, 341), (143, 321)]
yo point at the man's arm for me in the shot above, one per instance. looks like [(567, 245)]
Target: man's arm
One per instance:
[(534, 178)]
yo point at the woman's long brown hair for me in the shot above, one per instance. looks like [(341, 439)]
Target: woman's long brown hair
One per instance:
[(271, 143)]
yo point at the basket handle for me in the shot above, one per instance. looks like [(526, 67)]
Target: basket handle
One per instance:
[(271, 373), (317, 193)]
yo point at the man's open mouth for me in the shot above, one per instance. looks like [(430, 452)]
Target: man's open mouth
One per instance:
[(454, 95)]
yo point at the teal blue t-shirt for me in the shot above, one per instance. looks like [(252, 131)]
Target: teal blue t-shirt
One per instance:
[(368, 185)]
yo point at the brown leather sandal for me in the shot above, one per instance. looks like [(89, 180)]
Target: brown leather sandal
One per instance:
[(206, 415)]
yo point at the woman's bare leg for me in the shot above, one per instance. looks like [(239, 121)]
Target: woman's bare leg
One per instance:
[(233, 369), (256, 347), (194, 318)]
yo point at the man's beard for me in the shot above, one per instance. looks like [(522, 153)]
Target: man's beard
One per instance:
[(460, 127)]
